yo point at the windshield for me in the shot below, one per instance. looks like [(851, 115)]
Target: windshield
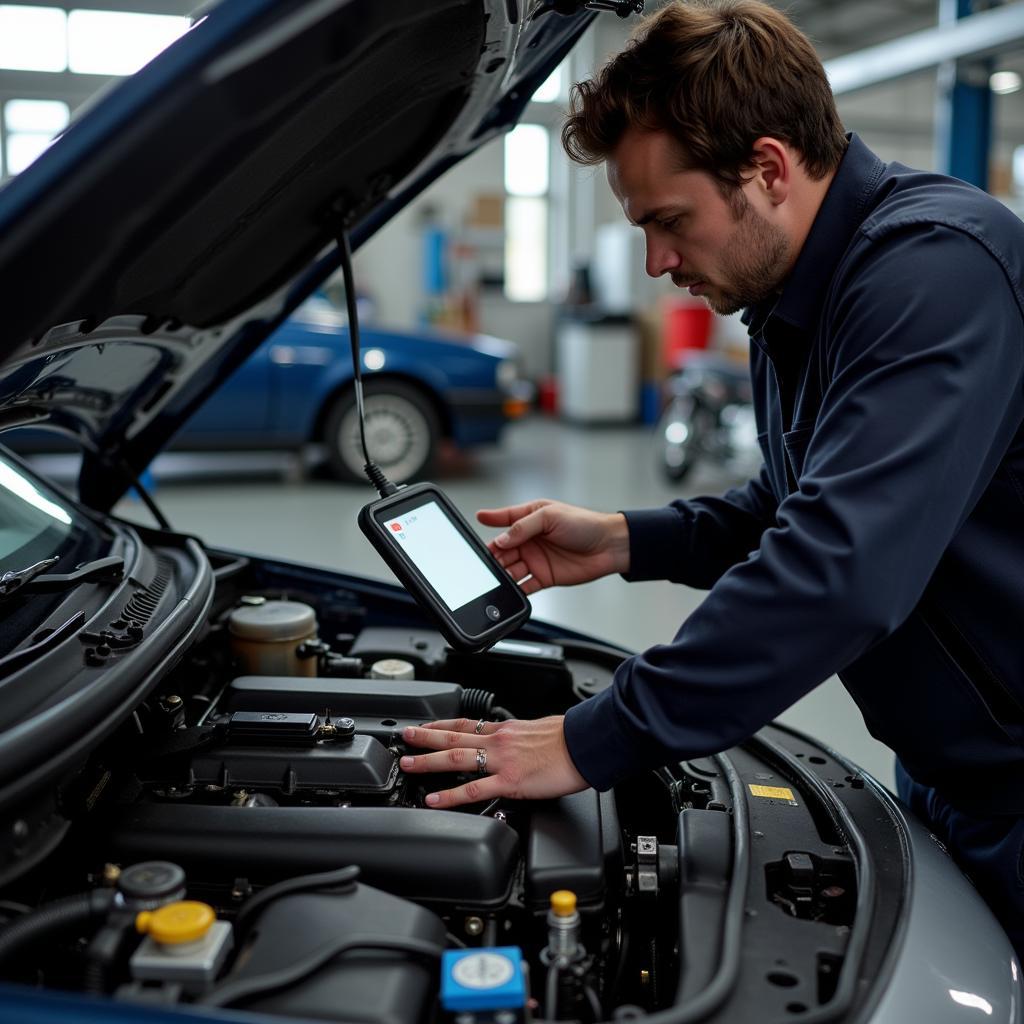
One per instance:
[(32, 524), (36, 523)]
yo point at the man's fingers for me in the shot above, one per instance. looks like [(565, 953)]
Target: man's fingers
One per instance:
[(507, 516), (522, 530), (456, 759), (451, 732), (517, 569)]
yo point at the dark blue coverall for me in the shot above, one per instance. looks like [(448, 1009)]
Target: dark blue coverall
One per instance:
[(884, 538)]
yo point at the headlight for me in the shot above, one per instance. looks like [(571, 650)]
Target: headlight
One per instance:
[(506, 374)]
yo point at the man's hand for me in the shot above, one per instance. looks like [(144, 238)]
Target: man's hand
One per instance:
[(525, 760), (557, 544)]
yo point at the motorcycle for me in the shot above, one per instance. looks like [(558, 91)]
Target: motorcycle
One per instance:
[(708, 416)]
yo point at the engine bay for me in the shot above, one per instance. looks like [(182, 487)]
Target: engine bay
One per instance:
[(245, 838)]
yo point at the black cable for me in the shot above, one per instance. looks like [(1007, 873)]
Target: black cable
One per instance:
[(246, 988), (371, 469), (342, 877), (593, 1002), (551, 990)]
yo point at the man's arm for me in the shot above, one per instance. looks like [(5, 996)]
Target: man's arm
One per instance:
[(695, 541), (916, 419)]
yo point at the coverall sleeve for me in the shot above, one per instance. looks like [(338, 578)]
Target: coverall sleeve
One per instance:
[(694, 541), (923, 400)]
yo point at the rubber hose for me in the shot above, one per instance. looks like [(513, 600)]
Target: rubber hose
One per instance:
[(477, 703), (51, 918)]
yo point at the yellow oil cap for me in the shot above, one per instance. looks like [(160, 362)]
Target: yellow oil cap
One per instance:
[(563, 903), (184, 921)]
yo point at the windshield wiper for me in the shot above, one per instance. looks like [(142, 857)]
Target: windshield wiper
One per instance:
[(34, 580)]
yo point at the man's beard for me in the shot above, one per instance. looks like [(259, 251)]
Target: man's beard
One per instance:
[(753, 262)]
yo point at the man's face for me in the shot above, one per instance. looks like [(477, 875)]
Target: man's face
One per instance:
[(723, 250)]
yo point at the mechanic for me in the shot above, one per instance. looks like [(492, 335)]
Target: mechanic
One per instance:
[(884, 537)]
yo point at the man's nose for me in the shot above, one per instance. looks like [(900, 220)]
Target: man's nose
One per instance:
[(661, 258)]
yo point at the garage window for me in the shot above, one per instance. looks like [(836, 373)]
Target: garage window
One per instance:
[(527, 155), (87, 42), (552, 89), (32, 38), (118, 43), (29, 127)]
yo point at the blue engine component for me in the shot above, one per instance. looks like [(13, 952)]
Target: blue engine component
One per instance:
[(490, 978)]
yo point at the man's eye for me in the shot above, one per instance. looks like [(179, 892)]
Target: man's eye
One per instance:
[(669, 223)]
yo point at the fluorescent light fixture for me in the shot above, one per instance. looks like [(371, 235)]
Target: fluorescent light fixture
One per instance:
[(33, 38), (118, 43), (1004, 82)]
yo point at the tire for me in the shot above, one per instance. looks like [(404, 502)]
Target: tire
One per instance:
[(680, 433), (402, 432)]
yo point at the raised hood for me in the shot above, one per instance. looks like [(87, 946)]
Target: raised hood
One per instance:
[(174, 226)]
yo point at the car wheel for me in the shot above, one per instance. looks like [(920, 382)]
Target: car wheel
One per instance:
[(402, 432)]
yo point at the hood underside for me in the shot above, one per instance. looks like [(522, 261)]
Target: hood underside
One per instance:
[(174, 226)]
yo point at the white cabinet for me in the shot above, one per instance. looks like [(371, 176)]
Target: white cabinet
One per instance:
[(597, 371)]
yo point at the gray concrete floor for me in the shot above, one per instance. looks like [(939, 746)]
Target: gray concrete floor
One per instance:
[(268, 504)]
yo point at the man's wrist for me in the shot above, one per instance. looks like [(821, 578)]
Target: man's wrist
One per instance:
[(618, 543)]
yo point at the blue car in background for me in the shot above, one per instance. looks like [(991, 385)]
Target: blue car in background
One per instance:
[(419, 389)]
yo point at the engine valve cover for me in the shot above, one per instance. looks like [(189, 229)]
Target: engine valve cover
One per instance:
[(360, 764)]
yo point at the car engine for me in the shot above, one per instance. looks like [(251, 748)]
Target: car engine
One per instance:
[(247, 839)]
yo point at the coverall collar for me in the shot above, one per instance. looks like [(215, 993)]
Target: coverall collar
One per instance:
[(842, 211)]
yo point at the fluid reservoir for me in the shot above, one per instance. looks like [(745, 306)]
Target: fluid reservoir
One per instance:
[(184, 944), (392, 668), (266, 637)]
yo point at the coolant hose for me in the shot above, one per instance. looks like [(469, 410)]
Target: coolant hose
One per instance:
[(480, 704), (477, 703), (52, 918)]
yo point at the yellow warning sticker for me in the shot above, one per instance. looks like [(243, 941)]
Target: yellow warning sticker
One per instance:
[(773, 793)]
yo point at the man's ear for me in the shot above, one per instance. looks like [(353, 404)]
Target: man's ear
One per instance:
[(772, 164)]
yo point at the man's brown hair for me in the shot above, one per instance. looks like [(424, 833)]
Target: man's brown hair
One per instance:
[(716, 75)]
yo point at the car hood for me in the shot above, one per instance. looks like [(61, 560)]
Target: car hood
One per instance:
[(178, 222)]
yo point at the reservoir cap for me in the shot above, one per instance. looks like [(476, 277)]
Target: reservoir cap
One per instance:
[(185, 921), (490, 978)]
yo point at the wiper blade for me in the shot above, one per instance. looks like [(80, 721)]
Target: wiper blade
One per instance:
[(12, 581), (33, 580)]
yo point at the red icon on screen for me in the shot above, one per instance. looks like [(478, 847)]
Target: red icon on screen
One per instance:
[(397, 527)]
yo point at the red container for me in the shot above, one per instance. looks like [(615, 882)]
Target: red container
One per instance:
[(547, 395), (684, 327)]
